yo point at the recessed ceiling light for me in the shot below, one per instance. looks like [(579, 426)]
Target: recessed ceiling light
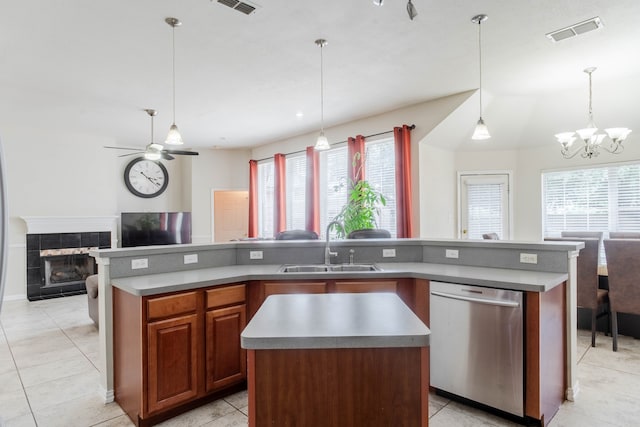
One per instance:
[(299, 114)]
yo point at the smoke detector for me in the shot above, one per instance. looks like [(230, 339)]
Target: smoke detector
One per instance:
[(241, 6), (575, 29)]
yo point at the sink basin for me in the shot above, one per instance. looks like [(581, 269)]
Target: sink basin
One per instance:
[(322, 268)]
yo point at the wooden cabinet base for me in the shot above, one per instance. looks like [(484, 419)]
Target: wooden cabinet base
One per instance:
[(338, 387)]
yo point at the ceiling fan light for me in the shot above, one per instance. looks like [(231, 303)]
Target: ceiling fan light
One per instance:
[(174, 137), (152, 155), (322, 143), (481, 131), (155, 147)]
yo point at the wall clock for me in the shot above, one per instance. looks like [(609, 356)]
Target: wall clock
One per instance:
[(146, 178)]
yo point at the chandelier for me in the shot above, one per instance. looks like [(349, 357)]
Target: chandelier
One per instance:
[(592, 140)]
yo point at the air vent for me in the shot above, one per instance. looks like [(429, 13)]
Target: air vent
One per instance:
[(575, 29), (240, 6)]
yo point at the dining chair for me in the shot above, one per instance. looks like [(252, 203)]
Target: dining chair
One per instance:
[(588, 293), (297, 235), (490, 236), (591, 234), (623, 264), (624, 235)]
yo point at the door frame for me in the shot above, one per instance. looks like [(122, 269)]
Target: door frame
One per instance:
[(461, 174)]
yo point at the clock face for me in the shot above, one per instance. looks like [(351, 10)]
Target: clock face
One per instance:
[(146, 178)]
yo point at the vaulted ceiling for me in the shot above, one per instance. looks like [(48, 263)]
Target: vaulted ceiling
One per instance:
[(240, 79)]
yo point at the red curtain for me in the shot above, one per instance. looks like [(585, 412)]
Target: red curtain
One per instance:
[(279, 193), (253, 198), (312, 191), (356, 168), (404, 221)]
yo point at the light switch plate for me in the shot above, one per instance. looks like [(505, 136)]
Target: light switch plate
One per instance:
[(451, 253), (191, 259), (529, 258), (255, 254), (389, 253), (139, 263)]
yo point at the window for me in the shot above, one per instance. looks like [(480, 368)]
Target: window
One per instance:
[(380, 171), (333, 184), (484, 205), (603, 198), (296, 166), (597, 199), (266, 185)]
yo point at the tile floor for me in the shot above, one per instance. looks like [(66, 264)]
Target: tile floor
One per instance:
[(48, 377)]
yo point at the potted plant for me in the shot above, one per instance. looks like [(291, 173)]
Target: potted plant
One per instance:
[(362, 208)]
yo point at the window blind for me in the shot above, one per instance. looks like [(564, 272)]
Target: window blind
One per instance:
[(266, 185), (485, 207), (380, 171), (333, 184), (295, 191)]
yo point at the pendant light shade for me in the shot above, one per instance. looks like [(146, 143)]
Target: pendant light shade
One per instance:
[(481, 131), (174, 137), (322, 143)]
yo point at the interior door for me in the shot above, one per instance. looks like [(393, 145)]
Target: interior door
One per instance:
[(230, 215), (484, 205)]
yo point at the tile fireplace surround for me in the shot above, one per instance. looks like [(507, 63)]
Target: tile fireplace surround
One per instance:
[(57, 253)]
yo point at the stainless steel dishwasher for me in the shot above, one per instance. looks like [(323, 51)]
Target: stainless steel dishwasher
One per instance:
[(477, 344)]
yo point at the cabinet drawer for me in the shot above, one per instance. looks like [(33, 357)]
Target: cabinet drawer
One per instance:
[(361, 286), (294, 288), (227, 295), (173, 305)]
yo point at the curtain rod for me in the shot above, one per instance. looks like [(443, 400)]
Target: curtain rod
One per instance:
[(412, 127)]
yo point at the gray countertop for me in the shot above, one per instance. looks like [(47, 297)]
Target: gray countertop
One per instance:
[(518, 280), (307, 321)]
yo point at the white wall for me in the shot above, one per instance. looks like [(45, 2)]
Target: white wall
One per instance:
[(438, 193), (214, 170)]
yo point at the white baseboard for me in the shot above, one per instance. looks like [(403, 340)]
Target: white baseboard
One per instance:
[(15, 297), (107, 395)]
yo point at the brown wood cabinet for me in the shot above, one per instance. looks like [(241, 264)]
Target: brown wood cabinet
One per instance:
[(173, 352), (226, 361)]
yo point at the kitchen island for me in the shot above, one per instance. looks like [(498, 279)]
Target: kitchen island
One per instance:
[(337, 360)]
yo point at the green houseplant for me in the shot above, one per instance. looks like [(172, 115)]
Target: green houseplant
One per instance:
[(362, 208)]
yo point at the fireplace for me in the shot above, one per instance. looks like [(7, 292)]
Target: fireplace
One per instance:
[(58, 260)]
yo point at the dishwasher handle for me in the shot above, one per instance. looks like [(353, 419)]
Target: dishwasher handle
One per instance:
[(501, 303)]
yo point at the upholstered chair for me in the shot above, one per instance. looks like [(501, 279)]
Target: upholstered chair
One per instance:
[(371, 233), (490, 236), (623, 265), (297, 235), (624, 235), (590, 234), (589, 295)]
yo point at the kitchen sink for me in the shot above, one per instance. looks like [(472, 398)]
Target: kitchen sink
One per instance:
[(323, 268)]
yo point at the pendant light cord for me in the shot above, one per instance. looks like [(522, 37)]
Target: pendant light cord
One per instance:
[(174, 71), (480, 61), (590, 98), (321, 89)]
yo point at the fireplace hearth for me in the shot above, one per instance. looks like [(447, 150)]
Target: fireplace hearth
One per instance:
[(59, 263)]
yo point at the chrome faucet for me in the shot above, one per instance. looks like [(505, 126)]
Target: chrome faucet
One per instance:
[(327, 250)]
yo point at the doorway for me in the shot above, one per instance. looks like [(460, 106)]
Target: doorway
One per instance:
[(484, 205), (230, 215)]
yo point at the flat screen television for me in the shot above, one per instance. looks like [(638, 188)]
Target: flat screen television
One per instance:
[(155, 228)]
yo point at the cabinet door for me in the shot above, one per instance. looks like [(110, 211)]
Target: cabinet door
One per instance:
[(226, 360), (172, 361), (361, 286)]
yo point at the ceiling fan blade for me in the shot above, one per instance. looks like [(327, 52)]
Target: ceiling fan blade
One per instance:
[(181, 152), (131, 154), (123, 148), (167, 156)]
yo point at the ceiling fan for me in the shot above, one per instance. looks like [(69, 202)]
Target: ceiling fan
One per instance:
[(154, 151)]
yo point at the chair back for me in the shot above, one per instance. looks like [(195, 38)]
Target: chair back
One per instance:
[(490, 236), (587, 266), (623, 266), (297, 235), (624, 235), (590, 234), (370, 233)]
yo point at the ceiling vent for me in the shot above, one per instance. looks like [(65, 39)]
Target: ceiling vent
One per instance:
[(575, 29), (240, 6)]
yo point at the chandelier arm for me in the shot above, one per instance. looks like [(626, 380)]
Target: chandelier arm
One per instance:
[(618, 147), (567, 154)]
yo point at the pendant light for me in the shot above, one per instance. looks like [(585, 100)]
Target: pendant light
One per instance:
[(174, 137), (481, 131), (592, 140), (322, 143)]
